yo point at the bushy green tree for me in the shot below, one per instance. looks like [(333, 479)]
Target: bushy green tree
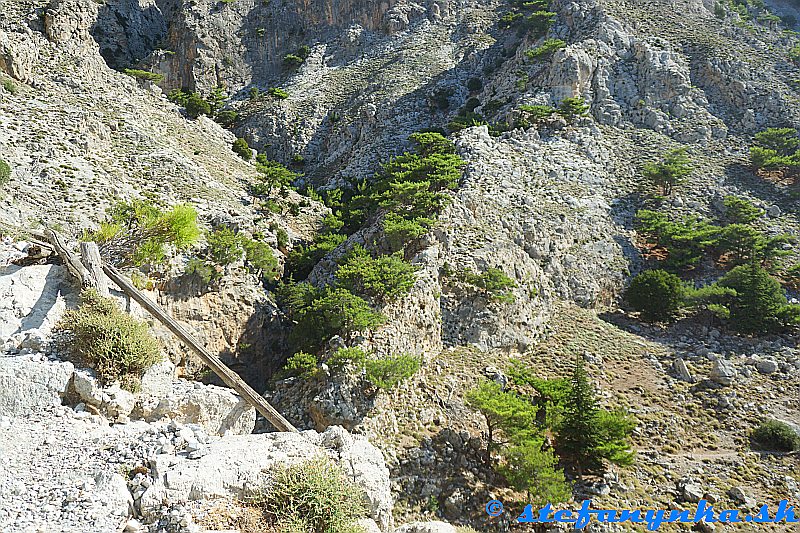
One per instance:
[(138, 232), (760, 305), (533, 468), (573, 108), (347, 357), (514, 434), (322, 313), (537, 113), (242, 149), (272, 175), (549, 46), (225, 246), (303, 257), (278, 93), (387, 372), (686, 241), (672, 170), (741, 211), (657, 294), (383, 278), (776, 149), (493, 282), (589, 435), (196, 105), (301, 364), (508, 416)]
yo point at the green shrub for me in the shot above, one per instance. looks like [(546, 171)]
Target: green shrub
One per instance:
[(657, 294), (144, 75), (589, 435), (743, 243), (203, 271), (776, 149), (474, 85), (388, 372), (302, 258), (242, 149), (741, 211), (672, 170), (313, 497), (254, 93), (322, 313), (277, 92), (532, 468), (138, 232), (303, 365), (573, 108), (548, 47), (259, 257), (539, 22), (383, 278), (774, 435), (271, 175), (227, 118), (494, 282), (196, 105), (686, 241), (292, 61), (117, 346), (344, 357), (282, 238), (5, 173), (759, 306), (10, 87), (537, 113), (224, 246)]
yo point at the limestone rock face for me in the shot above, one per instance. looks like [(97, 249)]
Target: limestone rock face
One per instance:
[(215, 409), (31, 383), (236, 465), (426, 527)]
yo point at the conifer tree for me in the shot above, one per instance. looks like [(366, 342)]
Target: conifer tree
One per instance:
[(579, 435)]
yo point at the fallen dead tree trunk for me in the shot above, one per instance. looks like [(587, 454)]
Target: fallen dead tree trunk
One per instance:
[(227, 375), (92, 272)]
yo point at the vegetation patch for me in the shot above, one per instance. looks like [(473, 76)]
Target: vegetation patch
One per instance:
[(102, 336), (312, 497)]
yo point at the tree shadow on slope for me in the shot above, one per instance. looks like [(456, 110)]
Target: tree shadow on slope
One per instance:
[(787, 198)]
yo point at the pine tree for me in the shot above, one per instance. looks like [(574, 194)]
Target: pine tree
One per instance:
[(579, 435), (505, 413), (670, 171), (589, 435), (532, 468), (759, 306)]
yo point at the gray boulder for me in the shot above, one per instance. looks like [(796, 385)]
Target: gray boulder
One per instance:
[(216, 409), (238, 464), (767, 366), (682, 371), (723, 372), (426, 527), (28, 384)]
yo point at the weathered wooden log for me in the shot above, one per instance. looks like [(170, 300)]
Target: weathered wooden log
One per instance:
[(227, 375), (71, 261), (89, 277), (90, 257)]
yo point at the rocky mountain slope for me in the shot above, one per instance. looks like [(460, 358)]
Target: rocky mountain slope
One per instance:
[(551, 205)]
